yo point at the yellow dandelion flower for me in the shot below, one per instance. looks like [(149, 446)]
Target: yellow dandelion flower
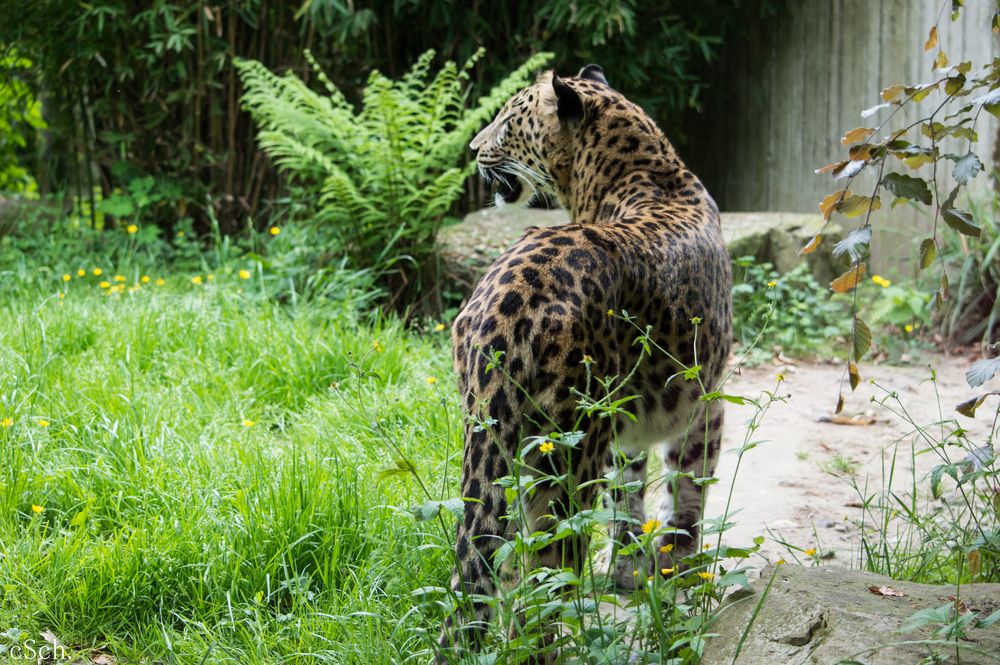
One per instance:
[(144, 279), (211, 277), (376, 346), (132, 229), (811, 551), (772, 284), (611, 312), (587, 359), (908, 328), (81, 272), (705, 546), (780, 562), (439, 327), (67, 277), (667, 548), (275, 230), (706, 575), (651, 526), (61, 295), (244, 274), (7, 422), (43, 423), (105, 285), (196, 279), (881, 281), (248, 423), (119, 278), (650, 578), (546, 448), (431, 380), (780, 376), (666, 571), (37, 509), (96, 272), (160, 282)]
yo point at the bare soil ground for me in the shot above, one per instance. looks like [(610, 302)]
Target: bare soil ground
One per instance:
[(784, 489)]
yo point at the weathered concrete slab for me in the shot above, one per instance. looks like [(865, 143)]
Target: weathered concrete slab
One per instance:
[(824, 615), (470, 247)]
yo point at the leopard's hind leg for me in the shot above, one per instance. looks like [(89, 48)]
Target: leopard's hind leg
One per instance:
[(695, 454)]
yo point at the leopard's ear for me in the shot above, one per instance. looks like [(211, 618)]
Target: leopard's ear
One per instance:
[(593, 73), (569, 106)]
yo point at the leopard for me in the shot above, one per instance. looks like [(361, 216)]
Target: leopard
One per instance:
[(641, 264)]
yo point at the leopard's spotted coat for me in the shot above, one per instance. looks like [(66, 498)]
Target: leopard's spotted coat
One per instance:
[(645, 238)]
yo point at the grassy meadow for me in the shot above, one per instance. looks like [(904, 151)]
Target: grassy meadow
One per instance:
[(179, 482)]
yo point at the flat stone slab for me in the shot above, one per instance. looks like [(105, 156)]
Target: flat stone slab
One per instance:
[(824, 615), (470, 247)]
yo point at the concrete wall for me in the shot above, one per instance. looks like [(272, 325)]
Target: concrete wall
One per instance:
[(796, 83)]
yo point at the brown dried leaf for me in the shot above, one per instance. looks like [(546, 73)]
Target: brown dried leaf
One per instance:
[(831, 167), (852, 370), (856, 421), (857, 135), (813, 244), (855, 205), (941, 61), (932, 39), (849, 279), (975, 561), (840, 403), (893, 91), (887, 591), (830, 200), (862, 151)]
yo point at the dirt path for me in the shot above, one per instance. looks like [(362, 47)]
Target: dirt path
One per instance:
[(783, 485)]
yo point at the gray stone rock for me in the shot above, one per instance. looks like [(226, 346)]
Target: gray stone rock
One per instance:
[(471, 246), (820, 616)]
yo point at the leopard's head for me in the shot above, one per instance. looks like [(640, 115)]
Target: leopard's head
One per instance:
[(527, 148)]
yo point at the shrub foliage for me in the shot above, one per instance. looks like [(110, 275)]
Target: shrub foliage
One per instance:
[(381, 178)]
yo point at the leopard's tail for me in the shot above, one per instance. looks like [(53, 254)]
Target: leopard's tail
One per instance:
[(485, 525)]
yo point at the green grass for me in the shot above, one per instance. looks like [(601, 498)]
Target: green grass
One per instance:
[(173, 529)]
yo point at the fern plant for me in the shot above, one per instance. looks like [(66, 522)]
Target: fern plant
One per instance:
[(380, 178)]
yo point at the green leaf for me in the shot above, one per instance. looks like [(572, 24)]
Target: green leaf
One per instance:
[(403, 467), (936, 475), (117, 205), (989, 621), (428, 510), (959, 220), (928, 252), (862, 339), (967, 168), (968, 407), (908, 187)]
